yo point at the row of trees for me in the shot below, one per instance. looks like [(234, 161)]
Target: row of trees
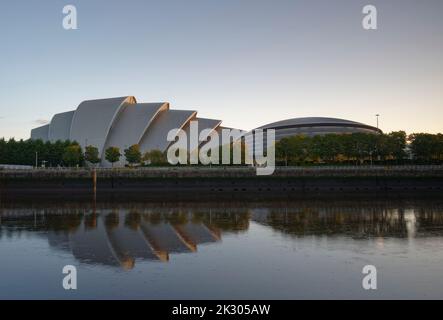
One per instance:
[(70, 154), (73, 156), (28, 152), (358, 148), (427, 147), (134, 156)]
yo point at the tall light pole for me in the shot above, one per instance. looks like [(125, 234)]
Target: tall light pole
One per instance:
[(36, 159), (377, 115)]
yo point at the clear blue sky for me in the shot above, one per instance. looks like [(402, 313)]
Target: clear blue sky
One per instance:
[(246, 62)]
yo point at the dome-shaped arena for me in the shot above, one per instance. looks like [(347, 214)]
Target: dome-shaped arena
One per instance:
[(312, 126), (309, 126)]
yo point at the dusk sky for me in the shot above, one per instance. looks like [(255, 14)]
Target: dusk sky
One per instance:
[(246, 62)]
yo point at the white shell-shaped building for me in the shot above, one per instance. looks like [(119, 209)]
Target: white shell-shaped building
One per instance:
[(121, 122)]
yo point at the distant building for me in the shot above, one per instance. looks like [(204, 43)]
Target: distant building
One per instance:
[(311, 126), (317, 126)]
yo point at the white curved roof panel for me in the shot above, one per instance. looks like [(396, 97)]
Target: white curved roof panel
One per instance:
[(156, 135), (131, 125), (40, 133), (203, 124), (93, 120), (60, 126)]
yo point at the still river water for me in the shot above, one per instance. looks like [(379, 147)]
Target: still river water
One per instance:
[(222, 249)]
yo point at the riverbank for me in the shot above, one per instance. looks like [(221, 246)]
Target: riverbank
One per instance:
[(225, 179)]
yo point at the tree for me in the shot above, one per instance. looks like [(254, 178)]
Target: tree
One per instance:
[(439, 148), (283, 151), (112, 154), (359, 146), (426, 147), (133, 154), (393, 145), (326, 148), (155, 157), (73, 155), (293, 150), (91, 155)]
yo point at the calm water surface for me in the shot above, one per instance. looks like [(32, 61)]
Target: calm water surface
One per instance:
[(291, 249)]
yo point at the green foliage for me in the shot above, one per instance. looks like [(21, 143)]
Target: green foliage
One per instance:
[(426, 147), (155, 157), (342, 148), (394, 145), (92, 155), (112, 154), (354, 148), (133, 154), (73, 155), (25, 152), (293, 150), (327, 147)]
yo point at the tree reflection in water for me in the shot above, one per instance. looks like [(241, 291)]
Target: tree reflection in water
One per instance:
[(120, 234)]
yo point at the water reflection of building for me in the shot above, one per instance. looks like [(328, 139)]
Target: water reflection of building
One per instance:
[(119, 237)]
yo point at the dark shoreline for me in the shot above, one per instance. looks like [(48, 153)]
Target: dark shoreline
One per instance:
[(15, 199), (225, 180)]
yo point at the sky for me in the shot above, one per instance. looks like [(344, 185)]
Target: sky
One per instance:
[(246, 62)]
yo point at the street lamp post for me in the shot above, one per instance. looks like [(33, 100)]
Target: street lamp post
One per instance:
[(377, 115), (36, 159)]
